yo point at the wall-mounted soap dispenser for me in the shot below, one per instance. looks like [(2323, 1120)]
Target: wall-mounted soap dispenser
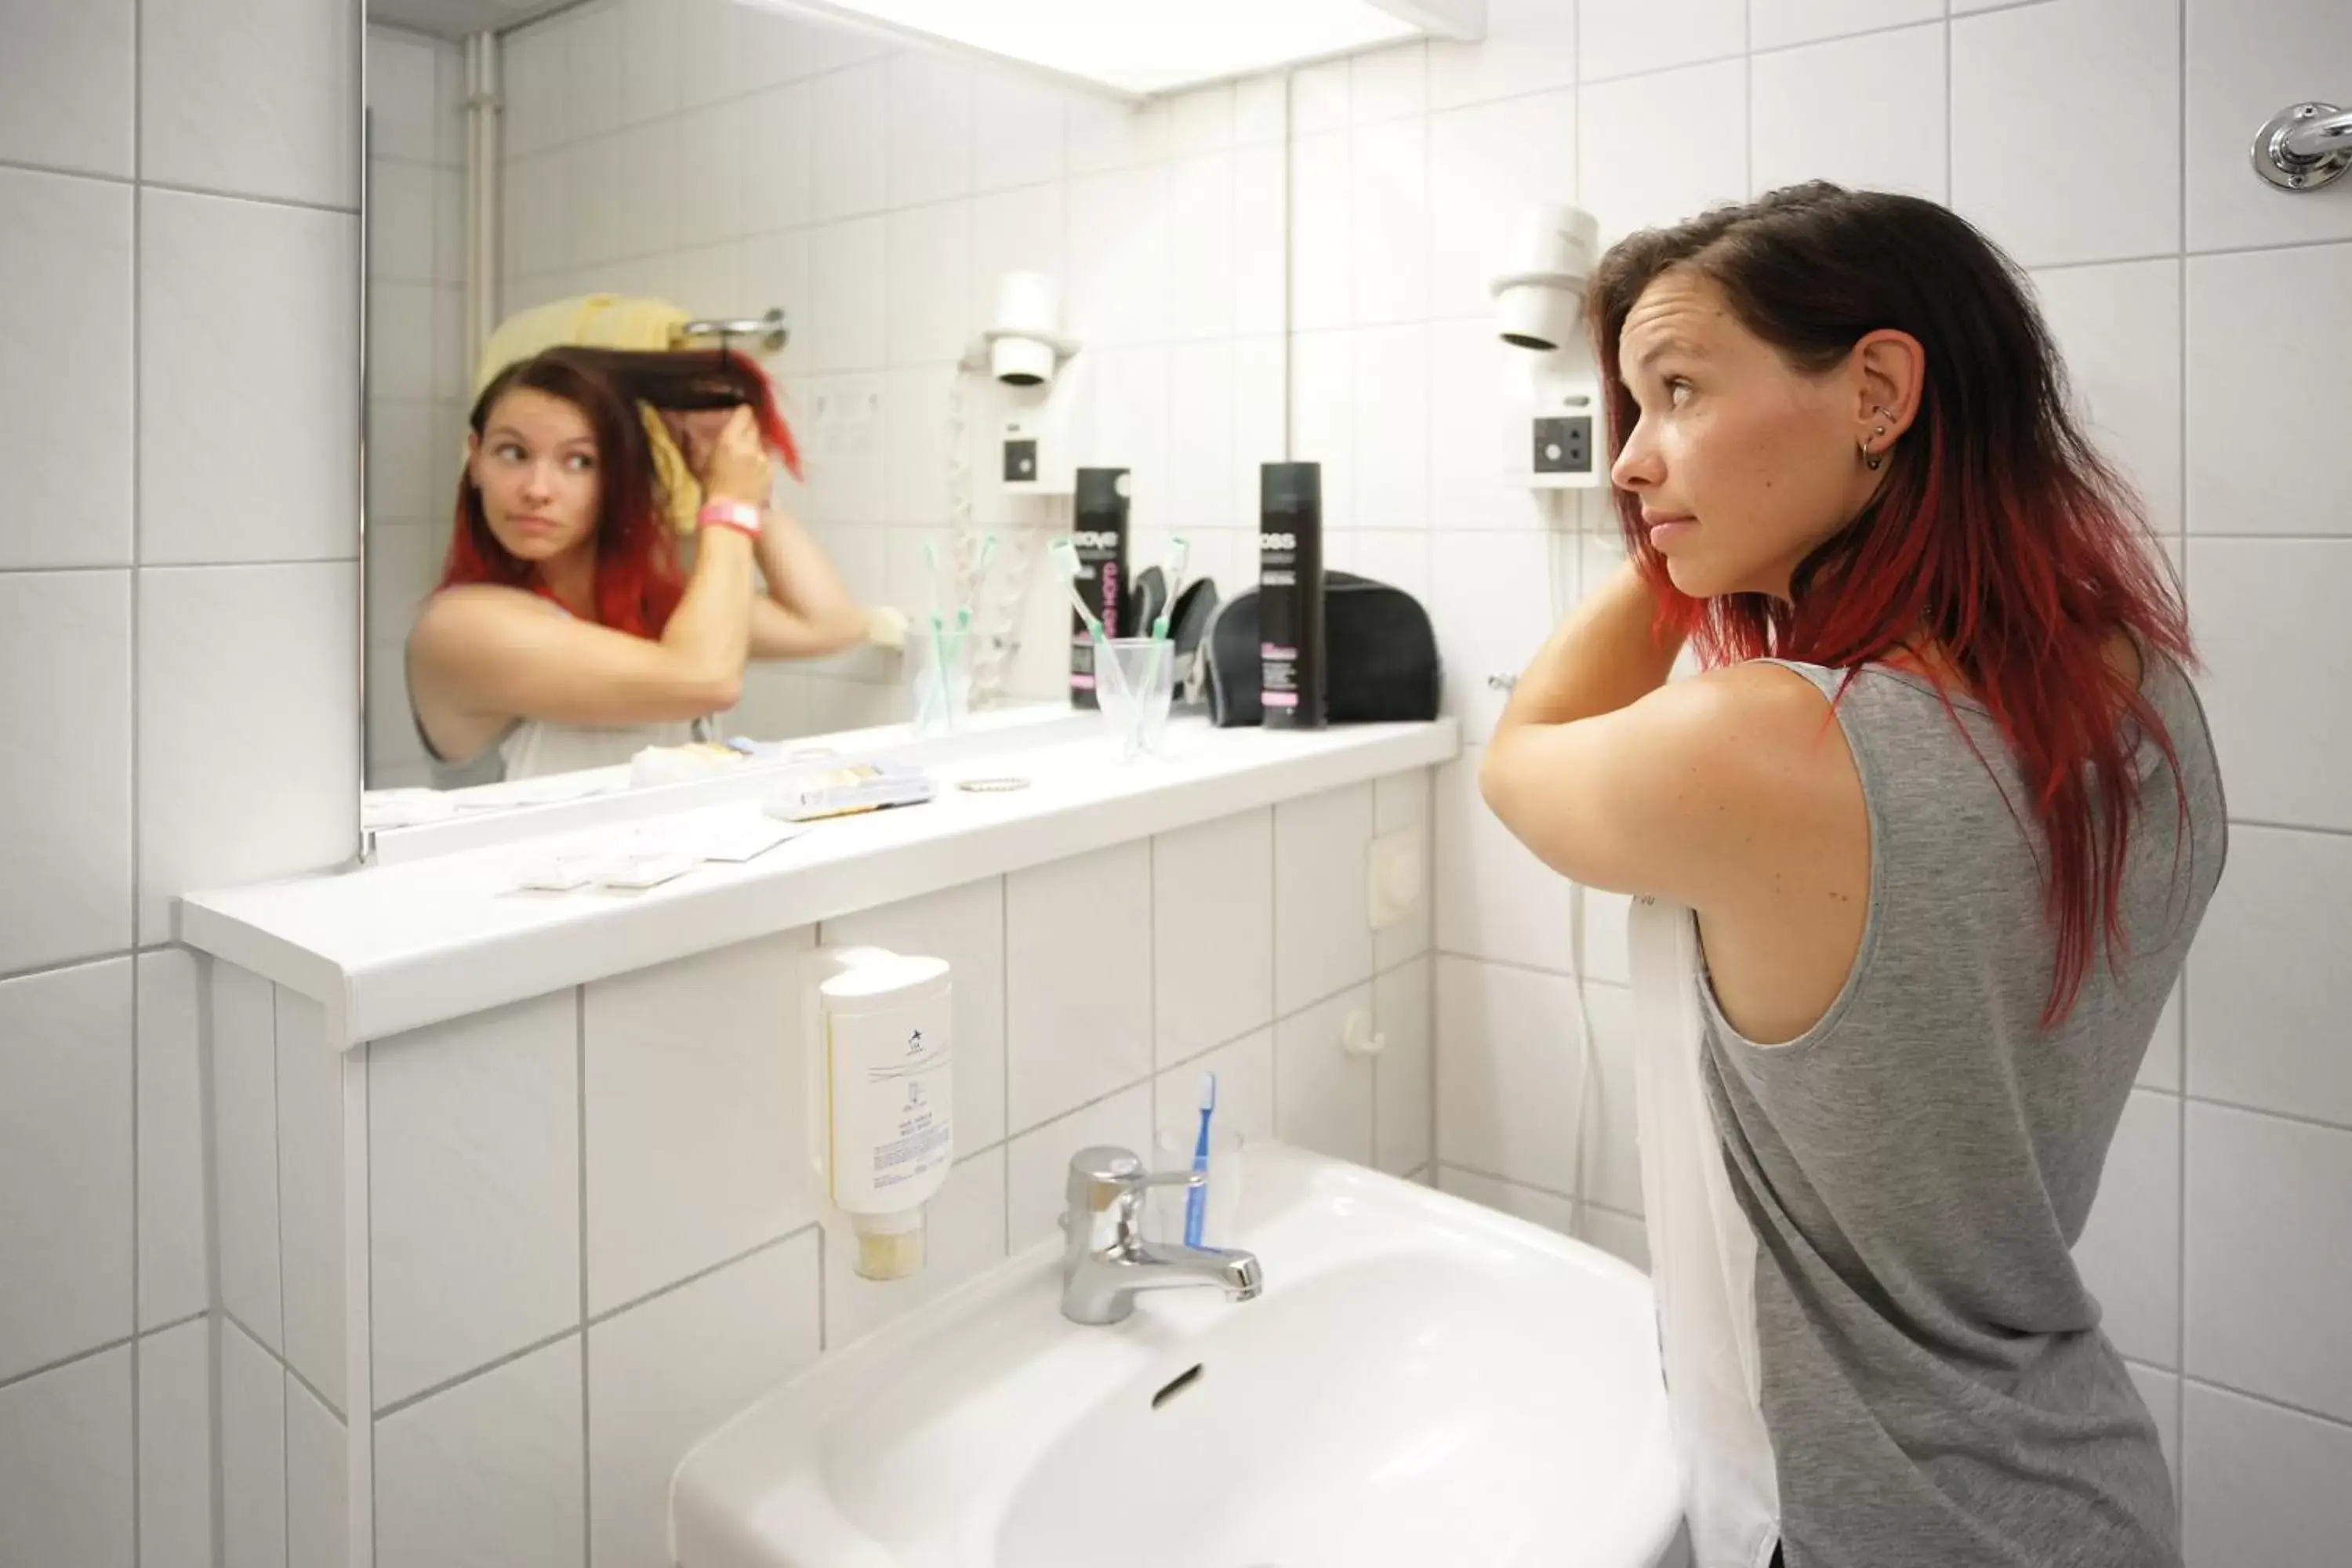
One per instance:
[(880, 1096)]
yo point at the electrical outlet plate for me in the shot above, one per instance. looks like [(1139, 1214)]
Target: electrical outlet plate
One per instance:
[(1396, 876), (1563, 445)]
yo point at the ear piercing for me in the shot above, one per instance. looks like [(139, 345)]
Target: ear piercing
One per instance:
[(1871, 459)]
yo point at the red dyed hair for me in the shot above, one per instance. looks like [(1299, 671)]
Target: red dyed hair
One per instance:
[(639, 578), (1997, 533)]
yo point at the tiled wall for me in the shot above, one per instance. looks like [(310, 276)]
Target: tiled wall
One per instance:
[(731, 158), (417, 386), (2207, 322), (178, 419), (588, 1236)]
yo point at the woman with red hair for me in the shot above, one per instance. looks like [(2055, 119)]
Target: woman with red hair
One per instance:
[(1943, 809), (566, 632)]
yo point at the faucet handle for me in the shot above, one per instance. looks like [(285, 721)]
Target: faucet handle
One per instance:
[(1105, 1176)]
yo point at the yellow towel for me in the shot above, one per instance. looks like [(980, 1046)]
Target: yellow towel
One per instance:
[(604, 321)]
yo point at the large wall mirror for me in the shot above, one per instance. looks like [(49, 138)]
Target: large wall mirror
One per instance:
[(840, 209)]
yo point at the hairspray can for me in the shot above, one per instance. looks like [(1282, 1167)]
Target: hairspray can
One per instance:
[(1290, 594), (1100, 536)]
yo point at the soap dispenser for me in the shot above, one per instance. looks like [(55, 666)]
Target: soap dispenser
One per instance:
[(881, 1097)]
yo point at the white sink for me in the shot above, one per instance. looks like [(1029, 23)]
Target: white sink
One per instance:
[(1422, 1382)]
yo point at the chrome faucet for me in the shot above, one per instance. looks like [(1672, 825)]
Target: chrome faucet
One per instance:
[(1106, 1259)]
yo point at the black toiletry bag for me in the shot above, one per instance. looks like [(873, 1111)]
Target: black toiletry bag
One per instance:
[(1378, 646)]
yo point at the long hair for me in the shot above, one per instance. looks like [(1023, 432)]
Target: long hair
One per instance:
[(639, 579), (1998, 530)]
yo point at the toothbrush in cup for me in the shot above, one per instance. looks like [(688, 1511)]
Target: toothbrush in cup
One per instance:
[(1065, 561), (1196, 1198)]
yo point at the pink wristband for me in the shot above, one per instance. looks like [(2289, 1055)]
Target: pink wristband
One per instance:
[(740, 516)]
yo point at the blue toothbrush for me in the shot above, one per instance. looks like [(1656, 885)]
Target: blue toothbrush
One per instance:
[(1196, 1198)]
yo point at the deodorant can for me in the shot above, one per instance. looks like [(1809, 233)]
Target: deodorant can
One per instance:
[(1100, 536), (1290, 594)]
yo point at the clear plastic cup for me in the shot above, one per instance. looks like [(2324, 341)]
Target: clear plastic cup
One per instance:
[(1134, 693), (1171, 1150), (939, 675)]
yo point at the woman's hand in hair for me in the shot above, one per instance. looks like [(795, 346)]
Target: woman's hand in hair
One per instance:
[(732, 461)]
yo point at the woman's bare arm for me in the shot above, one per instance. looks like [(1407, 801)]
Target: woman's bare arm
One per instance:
[(807, 611)]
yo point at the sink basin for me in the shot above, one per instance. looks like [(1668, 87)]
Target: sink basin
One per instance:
[(1422, 1382)]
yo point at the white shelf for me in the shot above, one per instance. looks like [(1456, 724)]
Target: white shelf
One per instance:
[(387, 949)]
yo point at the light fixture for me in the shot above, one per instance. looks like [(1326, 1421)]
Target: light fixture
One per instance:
[(1139, 47)]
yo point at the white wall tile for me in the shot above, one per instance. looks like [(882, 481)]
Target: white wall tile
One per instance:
[(1322, 1094), (317, 1483), (2264, 1305), (260, 99), (1620, 1236), (848, 312), (1389, 209), (1323, 419), (65, 836), (769, 47), (1486, 165), (248, 753), (244, 1047), (1507, 1072), (2023, 80), (1107, 133), (1259, 434), (473, 1191), (930, 112), (773, 185), (253, 1451), (1656, 150), (1120, 253), (2267, 332), (915, 432), (403, 94), (1201, 231), (65, 85), (65, 313), (1017, 131), (1024, 230), (2160, 1391), (711, 141), (595, 38), (849, 141), (1261, 223), (310, 1172), (1131, 430), (1037, 1162), (1405, 1015), (1077, 980), (2118, 330), (2264, 1484), (249, 322), (1322, 930), (1621, 38), (965, 926), (400, 220), (1531, 45), (645, 157), (176, 1447), (1202, 477), (1866, 113), (2130, 1250), (1494, 898), (1400, 801), (1213, 933), (697, 1115), (1322, 233), (2246, 62), (1201, 120), (963, 1236), (534, 65), (66, 1492), (1488, 596), (1389, 83), (2266, 976), (2264, 611), (488, 1474), (1390, 418), (1774, 24), (1612, 1162), (664, 1374), (172, 1247), (1481, 397), (66, 1201), (929, 302), (1546, 1209)]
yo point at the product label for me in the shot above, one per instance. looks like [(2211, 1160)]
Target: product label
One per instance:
[(893, 1085), (1101, 546)]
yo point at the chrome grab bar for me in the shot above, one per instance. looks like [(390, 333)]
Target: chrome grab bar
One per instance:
[(2303, 146), (770, 330)]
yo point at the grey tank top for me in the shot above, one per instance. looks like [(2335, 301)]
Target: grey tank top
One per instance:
[(1918, 1165)]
